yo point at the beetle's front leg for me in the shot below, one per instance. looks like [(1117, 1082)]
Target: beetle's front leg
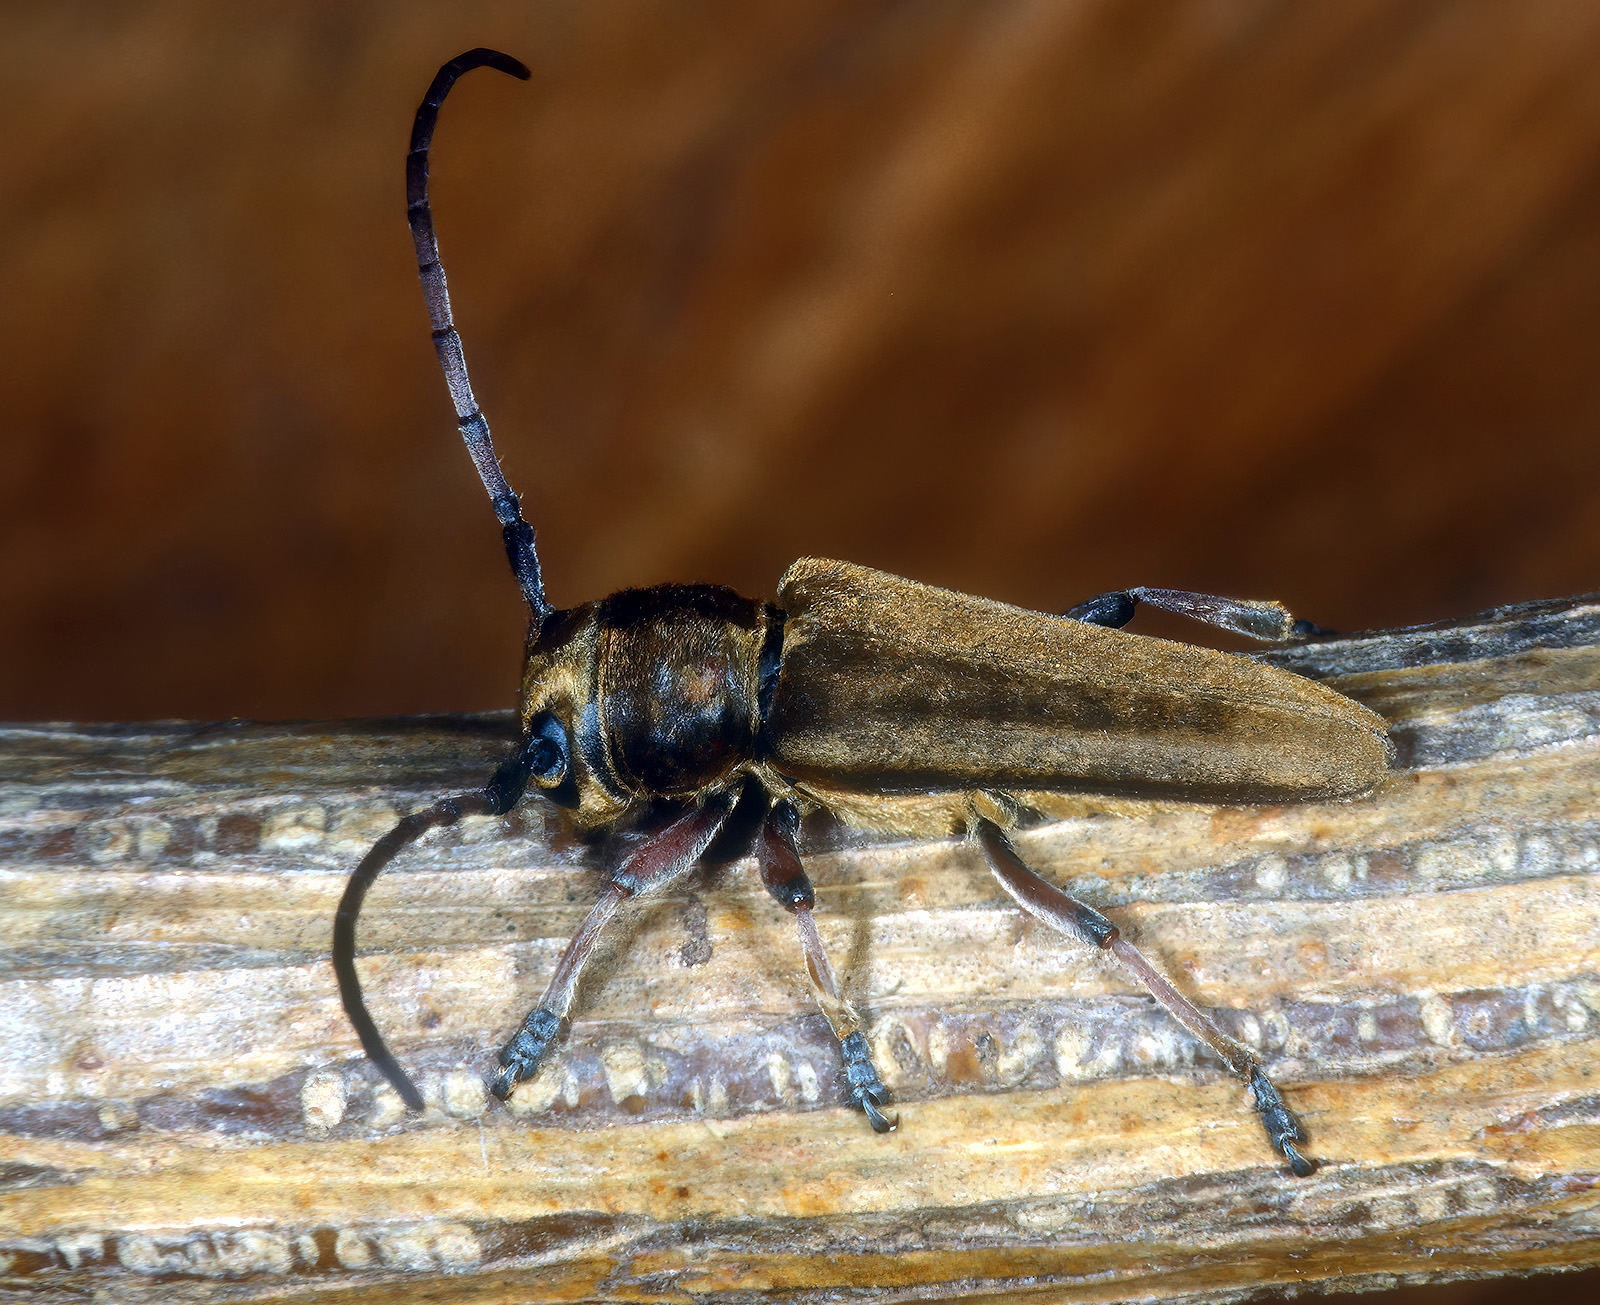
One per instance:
[(778, 855), (1268, 622), (1042, 899), (654, 865)]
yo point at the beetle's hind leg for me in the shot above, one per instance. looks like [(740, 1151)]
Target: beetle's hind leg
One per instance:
[(654, 865), (778, 855), (1268, 622), (1042, 899)]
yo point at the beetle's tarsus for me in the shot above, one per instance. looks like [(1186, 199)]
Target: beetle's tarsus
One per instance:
[(522, 1056), (1304, 629), (1112, 610), (1284, 1129), (866, 1090)]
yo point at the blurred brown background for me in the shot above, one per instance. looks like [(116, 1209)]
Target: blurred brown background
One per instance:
[(1032, 300)]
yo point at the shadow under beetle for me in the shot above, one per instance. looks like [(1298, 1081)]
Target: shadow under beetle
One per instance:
[(891, 704)]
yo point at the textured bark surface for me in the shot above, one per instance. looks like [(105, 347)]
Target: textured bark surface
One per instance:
[(186, 1117)]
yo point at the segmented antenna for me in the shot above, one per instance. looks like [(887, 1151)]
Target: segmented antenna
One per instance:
[(518, 533), (382, 852)]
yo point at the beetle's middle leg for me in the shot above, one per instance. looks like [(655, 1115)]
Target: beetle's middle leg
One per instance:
[(778, 855), (1042, 899), (1268, 622), (654, 865)]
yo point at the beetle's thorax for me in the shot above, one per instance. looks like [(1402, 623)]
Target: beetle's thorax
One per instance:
[(659, 688)]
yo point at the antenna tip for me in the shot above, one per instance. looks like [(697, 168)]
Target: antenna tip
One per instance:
[(483, 57)]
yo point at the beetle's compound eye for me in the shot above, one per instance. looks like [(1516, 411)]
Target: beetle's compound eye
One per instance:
[(549, 759), (549, 754), (545, 761)]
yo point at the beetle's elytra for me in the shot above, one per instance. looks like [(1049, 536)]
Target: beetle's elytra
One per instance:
[(889, 703)]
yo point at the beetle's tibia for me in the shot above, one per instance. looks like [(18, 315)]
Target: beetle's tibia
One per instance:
[(523, 1054), (1284, 1129), (866, 1090)]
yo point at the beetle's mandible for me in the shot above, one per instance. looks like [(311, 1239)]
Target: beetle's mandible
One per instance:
[(854, 692)]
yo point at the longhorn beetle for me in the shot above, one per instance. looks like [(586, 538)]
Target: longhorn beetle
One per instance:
[(854, 691)]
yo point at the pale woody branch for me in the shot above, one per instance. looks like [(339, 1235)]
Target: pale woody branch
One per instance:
[(184, 1109)]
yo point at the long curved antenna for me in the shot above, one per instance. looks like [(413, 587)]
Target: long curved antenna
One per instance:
[(379, 855), (447, 343), (497, 797)]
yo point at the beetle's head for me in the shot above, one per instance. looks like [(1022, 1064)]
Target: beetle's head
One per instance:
[(559, 716)]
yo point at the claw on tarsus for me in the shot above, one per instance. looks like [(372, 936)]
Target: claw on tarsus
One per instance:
[(881, 1123), (501, 1084), (1299, 1165)]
